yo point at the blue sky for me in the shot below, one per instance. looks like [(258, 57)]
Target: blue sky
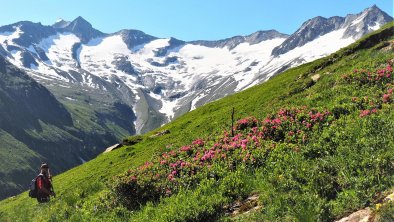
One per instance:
[(185, 19)]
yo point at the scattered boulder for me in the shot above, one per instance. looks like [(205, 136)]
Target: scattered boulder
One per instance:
[(116, 146), (315, 78), (161, 133), (358, 216), (366, 214), (243, 207)]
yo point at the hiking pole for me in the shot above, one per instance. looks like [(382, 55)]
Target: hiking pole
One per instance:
[(52, 189)]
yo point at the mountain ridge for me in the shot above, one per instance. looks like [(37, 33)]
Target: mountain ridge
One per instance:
[(319, 25), (234, 41)]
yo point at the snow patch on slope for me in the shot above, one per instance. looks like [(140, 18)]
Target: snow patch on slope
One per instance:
[(359, 19), (17, 55), (58, 49), (8, 37), (375, 27), (97, 56), (322, 46)]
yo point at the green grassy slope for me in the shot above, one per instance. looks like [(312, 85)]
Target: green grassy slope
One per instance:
[(81, 190), (16, 154)]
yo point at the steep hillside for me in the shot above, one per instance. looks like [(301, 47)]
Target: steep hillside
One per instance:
[(317, 172), (35, 127), (25, 109)]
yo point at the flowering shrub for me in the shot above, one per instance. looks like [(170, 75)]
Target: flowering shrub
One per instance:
[(188, 165), (367, 112), (364, 77), (248, 122), (387, 97), (293, 125), (383, 78)]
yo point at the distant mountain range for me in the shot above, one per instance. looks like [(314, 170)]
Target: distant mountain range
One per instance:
[(95, 88)]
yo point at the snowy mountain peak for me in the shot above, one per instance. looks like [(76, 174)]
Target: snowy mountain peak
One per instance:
[(59, 20), (354, 26), (368, 20), (81, 28), (60, 23)]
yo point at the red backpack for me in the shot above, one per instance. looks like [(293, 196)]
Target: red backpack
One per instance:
[(33, 191)]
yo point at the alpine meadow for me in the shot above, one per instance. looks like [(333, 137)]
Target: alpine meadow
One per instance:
[(264, 127)]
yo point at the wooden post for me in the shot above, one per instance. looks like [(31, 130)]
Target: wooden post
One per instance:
[(232, 123)]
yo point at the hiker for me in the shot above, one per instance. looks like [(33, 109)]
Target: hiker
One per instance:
[(44, 184)]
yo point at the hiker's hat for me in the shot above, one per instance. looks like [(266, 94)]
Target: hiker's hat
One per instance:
[(44, 165)]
